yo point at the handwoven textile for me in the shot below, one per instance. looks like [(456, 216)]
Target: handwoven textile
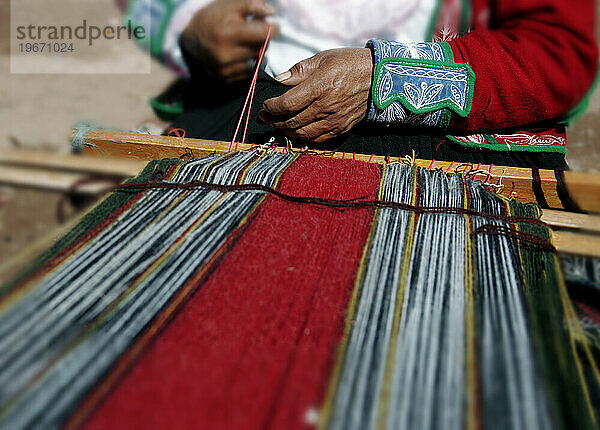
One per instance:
[(267, 290)]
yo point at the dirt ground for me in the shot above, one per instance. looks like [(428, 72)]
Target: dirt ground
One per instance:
[(38, 112)]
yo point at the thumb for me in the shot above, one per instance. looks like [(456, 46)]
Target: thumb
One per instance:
[(299, 72), (257, 8)]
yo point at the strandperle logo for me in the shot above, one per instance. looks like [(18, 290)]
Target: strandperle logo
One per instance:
[(68, 33)]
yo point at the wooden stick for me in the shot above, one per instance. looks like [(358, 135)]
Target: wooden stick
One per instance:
[(577, 243), (50, 180), (516, 181), (571, 221), (73, 163)]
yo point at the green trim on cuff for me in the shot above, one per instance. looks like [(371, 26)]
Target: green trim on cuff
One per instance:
[(446, 118), (447, 52), (430, 64)]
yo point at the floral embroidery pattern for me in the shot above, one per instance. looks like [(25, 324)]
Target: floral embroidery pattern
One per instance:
[(422, 88), (414, 82)]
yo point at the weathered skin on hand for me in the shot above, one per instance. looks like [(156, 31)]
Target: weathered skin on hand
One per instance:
[(223, 39), (329, 96)]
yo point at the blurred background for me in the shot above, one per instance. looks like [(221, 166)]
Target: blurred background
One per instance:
[(37, 112)]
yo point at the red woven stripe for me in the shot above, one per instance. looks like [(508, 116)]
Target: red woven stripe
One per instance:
[(255, 345)]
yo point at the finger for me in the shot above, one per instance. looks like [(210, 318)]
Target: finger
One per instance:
[(254, 32), (258, 8), (325, 137), (236, 69), (311, 131), (237, 78), (294, 100), (299, 120), (332, 133), (299, 72), (236, 55)]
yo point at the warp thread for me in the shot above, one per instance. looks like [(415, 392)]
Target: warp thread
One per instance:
[(414, 324), (414, 321), (96, 283)]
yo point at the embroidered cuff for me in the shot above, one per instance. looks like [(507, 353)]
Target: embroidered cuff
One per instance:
[(418, 83)]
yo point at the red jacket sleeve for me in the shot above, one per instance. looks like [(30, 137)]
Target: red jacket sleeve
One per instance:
[(535, 62)]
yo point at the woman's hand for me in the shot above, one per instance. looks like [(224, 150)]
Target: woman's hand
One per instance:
[(224, 35), (329, 96)]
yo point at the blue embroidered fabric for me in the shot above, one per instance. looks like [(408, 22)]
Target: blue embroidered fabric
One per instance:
[(418, 84)]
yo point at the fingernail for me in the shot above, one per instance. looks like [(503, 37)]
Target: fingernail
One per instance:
[(283, 76), (269, 10)]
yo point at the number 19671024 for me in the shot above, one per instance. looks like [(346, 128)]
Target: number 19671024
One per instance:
[(56, 47)]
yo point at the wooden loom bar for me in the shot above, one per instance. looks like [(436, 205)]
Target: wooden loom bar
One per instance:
[(517, 182)]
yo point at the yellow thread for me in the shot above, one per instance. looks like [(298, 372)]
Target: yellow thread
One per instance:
[(212, 163), (471, 373), (406, 256)]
